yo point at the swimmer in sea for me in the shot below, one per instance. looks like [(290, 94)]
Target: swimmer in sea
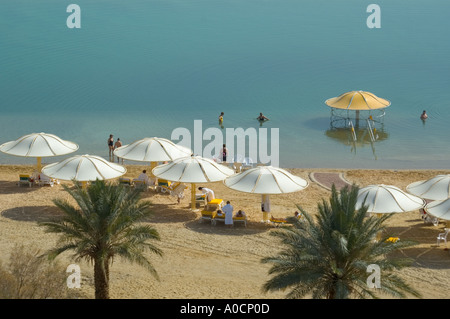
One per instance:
[(221, 119), (424, 115), (261, 117)]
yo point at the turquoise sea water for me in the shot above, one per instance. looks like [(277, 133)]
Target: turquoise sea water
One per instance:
[(141, 68)]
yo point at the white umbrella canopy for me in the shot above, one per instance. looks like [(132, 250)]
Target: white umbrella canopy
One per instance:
[(152, 149), (382, 199), (193, 170), (84, 168), (266, 180), (439, 209), (436, 188), (38, 145)]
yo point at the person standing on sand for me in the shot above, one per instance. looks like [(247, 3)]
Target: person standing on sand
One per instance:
[(116, 146), (111, 146), (224, 153), (228, 211)]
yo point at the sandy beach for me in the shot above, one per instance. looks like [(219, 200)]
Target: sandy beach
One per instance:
[(205, 261)]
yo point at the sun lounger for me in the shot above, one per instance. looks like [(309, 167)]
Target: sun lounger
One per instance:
[(178, 191), (45, 180), (392, 239), (210, 210), (162, 185), (218, 218), (124, 181), (200, 199), (242, 220), (168, 188), (25, 179), (277, 221)]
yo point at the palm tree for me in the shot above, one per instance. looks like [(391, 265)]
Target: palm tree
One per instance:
[(103, 226), (330, 257)]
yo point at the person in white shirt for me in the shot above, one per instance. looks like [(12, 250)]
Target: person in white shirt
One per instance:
[(208, 192), (144, 177), (228, 211)]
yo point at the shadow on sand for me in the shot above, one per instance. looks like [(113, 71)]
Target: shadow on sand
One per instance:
[(170, 213), (33, 213), (9, 187), (426, 253), (238, 229)]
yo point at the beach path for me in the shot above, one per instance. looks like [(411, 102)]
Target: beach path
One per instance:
[(327, 179)]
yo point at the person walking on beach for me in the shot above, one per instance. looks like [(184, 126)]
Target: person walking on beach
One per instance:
[(111, 146), (116, 146)]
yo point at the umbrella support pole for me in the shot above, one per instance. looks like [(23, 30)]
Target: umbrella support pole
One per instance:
[(193, 205), (265, 212), (39, 164), (153, 177)]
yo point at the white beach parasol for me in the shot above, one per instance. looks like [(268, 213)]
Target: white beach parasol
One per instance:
[(38, 145), (385, 199), (153, 150), (439, 209), (193, 170), (266, 180), (382, 199), (436, 188), (84, 168)]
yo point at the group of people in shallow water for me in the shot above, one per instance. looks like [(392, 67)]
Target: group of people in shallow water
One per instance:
[(112, 146), (260, 118)]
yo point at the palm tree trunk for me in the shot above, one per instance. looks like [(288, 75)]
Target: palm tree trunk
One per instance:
[(101, 279)]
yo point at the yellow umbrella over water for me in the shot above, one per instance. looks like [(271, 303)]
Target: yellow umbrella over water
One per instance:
[(358, 101)]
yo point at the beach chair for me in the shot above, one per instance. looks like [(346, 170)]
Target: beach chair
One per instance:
[(277, 221), (443, 236), (218, 218), (124, 181), (392, 239), (200, 199), (46, 180), (25, 179), (178, 191), (162, 185), (169, 188), (241, 219), (210, 210)]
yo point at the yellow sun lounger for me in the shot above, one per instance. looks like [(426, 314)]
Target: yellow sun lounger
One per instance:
[(242, 219), (392, 239), (210, 210)]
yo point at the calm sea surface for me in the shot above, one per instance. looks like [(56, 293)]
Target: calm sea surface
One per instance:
[(141, 68)]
